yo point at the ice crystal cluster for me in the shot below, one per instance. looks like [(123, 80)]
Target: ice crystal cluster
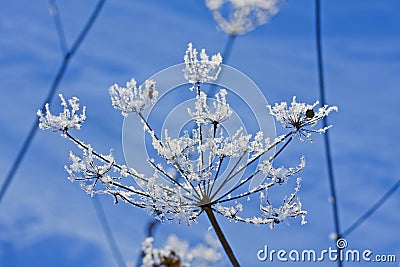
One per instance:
[(178, 253), (130, 98), (210, 165), (66, 120), (242, 15), (293, 117), (201, 70)]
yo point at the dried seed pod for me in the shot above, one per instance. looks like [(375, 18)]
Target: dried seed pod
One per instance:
[(310, 113)]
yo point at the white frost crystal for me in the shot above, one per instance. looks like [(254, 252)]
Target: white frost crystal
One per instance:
[(201, 70), (132, 99), (203, 113), (66, 120), (300, 115)]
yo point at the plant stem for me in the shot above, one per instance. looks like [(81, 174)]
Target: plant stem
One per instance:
[(221, 236)]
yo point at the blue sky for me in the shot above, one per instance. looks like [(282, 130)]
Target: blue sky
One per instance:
[(46, 221)]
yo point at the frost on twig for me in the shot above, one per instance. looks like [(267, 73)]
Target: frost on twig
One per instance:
[(132, 99), (203, 113), (281, 175), (67, 119), (85, 169), (301, 117), (290, 208), (243, 15), (178, 253), (201, 70)]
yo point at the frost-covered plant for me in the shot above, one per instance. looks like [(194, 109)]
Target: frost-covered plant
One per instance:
[(203, 183), (178, 253), (130, 98), (68, 119), (299, 115), (200, 70), (203, 114), (242, 15)]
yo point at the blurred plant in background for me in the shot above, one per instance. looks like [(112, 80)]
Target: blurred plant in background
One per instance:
[(237, 17), (178, 253)]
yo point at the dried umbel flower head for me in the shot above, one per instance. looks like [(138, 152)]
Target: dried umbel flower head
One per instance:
[(301, 117), (243, 15), (221, 109), (200, 180), (66, 120), (201, 70), (132, 99), (205, 181)]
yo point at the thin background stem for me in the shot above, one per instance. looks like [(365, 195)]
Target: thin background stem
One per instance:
[(371, 210), (58, 24), (53, 88), (328, 153)]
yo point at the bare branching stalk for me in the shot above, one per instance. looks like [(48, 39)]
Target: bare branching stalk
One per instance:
[(220, 235)]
